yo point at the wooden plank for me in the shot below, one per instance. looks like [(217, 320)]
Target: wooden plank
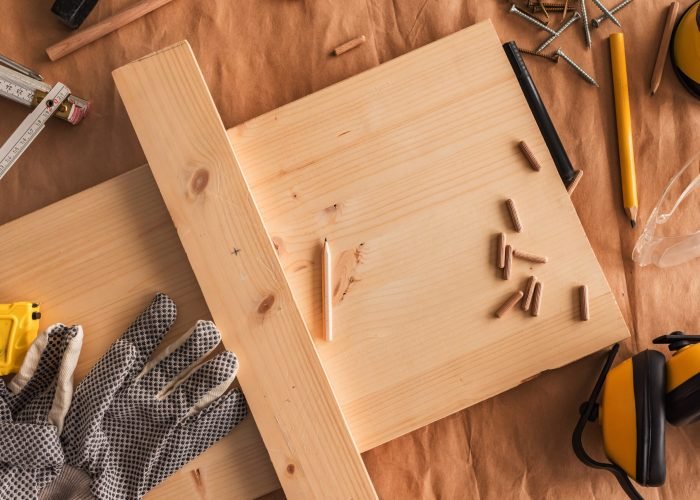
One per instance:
[(405, 169), (113, 246), (98, 258), (241, 277)]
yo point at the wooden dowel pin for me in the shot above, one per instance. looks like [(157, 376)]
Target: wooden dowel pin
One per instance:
[(583, 299), (508, 264), (327, 292), (529, 156), (536, 299), (355, 42), (531, 257), (529, 292), (510, 303), (106, 26), (501, 250), (514, 217), (571, 187)]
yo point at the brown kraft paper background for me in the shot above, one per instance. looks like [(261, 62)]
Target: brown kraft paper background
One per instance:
[(259, 54)]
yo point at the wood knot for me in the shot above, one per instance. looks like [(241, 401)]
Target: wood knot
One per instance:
[(199, 181), (291, 469), (266, 304)]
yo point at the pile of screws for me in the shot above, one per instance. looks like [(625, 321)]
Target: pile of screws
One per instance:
[(579, 11)]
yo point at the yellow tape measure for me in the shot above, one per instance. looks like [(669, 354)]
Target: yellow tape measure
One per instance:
[(19, 326)]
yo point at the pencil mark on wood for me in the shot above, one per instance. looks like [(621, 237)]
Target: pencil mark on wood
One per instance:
[(266, 304), (344, 133), (235, 251)]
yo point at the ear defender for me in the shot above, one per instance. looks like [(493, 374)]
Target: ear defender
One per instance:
[(632, 417), (682, 378)]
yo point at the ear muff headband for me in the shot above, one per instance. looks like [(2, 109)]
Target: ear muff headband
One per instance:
[(589, 413)]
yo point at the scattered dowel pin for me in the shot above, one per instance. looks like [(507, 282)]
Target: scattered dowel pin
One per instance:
[(509, 304), (571, 187), (355, 42), (536, 299), (514, 217), (327, 292), (583, 299), (501, 250), (531, 257), (529, 292), (529, 156), (508, 264)]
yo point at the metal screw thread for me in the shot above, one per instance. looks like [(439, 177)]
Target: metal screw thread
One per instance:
[(578, 68), (596, 22), (515, 10), (586, 30), (606, 12), (561, 30), (551, 56)]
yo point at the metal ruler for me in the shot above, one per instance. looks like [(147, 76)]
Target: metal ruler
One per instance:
[(29, 91), (30, 127)]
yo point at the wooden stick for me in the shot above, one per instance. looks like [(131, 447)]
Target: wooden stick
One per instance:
[(517, 225), (583, 300), (501, 250), (96, 31), (355, 42), (508, 265), (529, 156), (571, 187), (248, 295), (663, 47), (531, 257), (529, 292), (509, 304), (536, 300), (327, 292)]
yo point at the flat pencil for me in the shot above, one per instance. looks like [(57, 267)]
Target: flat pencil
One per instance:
[(663, 47), (327, 292)]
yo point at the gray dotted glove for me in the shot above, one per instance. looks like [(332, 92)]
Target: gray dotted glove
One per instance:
[(133, 422), (32, 408)]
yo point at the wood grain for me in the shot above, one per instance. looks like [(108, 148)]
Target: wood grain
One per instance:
[(203, 187), (96, 31), (414, 280)]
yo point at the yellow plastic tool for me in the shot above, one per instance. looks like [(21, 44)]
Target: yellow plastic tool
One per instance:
[(19, 326)]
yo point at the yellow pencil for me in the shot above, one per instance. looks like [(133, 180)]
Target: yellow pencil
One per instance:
[(327, 292), (624, 126)]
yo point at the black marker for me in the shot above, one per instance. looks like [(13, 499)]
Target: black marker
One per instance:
[(551, 138)]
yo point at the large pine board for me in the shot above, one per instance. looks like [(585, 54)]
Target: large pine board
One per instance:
[(404, 168)]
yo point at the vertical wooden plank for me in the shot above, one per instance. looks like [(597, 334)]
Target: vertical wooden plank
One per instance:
[(240, 276)]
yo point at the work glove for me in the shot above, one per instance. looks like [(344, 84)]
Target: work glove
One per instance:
[(133, 422), (32, 410)]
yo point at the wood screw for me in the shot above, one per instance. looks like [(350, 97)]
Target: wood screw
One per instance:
[(578, 68), (606, 12), (515, 10), (599, 20), (558, 33)]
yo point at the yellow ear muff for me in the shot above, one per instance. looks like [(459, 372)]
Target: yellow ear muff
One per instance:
[(682, 378), (632, 417)]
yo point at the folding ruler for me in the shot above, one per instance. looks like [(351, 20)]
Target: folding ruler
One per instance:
[(22, 85)]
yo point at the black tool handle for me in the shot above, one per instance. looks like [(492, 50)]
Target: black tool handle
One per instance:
[(73, 12), (544, 122)]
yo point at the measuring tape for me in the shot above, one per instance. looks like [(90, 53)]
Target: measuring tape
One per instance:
[(31, 126), (30, 92)]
